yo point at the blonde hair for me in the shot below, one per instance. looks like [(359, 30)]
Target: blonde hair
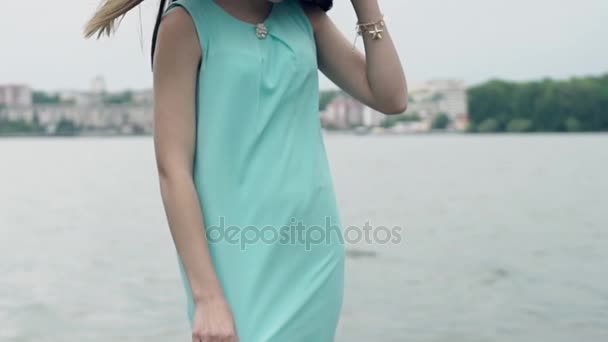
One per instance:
[(104, 20)]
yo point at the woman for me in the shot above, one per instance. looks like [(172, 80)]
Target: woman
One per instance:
[(240, 156)]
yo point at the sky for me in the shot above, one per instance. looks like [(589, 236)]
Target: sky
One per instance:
[(41, 41)]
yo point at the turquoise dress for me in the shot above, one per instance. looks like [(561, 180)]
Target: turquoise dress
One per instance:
[(262, 176)]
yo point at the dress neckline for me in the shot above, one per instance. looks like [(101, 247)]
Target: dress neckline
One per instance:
[(270, 15)]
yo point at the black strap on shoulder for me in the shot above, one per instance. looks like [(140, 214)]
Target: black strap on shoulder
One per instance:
[(159, 16)]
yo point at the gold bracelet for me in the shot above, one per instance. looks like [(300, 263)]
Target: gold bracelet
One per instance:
[(374, 28), (372, 22)]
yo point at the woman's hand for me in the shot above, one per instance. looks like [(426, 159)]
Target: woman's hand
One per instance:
[(213, 322)]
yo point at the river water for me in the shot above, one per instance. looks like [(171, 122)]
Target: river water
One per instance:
[(504, 238)]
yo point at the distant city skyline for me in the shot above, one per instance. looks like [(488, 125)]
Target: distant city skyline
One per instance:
[(472, 40), (434, 105)]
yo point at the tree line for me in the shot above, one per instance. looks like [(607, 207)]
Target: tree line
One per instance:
[(578, 104), (574, 105)]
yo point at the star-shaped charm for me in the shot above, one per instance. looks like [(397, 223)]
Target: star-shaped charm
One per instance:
[(376, 32)]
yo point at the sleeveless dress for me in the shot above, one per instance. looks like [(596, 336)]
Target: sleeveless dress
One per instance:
[(262, 175)]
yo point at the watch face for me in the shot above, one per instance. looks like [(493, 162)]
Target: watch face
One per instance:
[(324, 4)]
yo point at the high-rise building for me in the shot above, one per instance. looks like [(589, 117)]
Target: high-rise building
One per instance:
[(98, 85), (15, 95)]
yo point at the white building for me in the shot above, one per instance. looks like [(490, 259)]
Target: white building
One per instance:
[(143, 96), (15, 95), (426, 100), (98, 85), (430, 98), (80, 98), (345, 112), (120, 118)]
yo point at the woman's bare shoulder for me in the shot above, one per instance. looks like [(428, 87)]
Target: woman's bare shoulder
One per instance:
[(177, 32), (177, 23)]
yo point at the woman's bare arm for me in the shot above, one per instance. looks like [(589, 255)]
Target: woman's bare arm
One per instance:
[(175, 71), (175, 75), (376, 78)]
